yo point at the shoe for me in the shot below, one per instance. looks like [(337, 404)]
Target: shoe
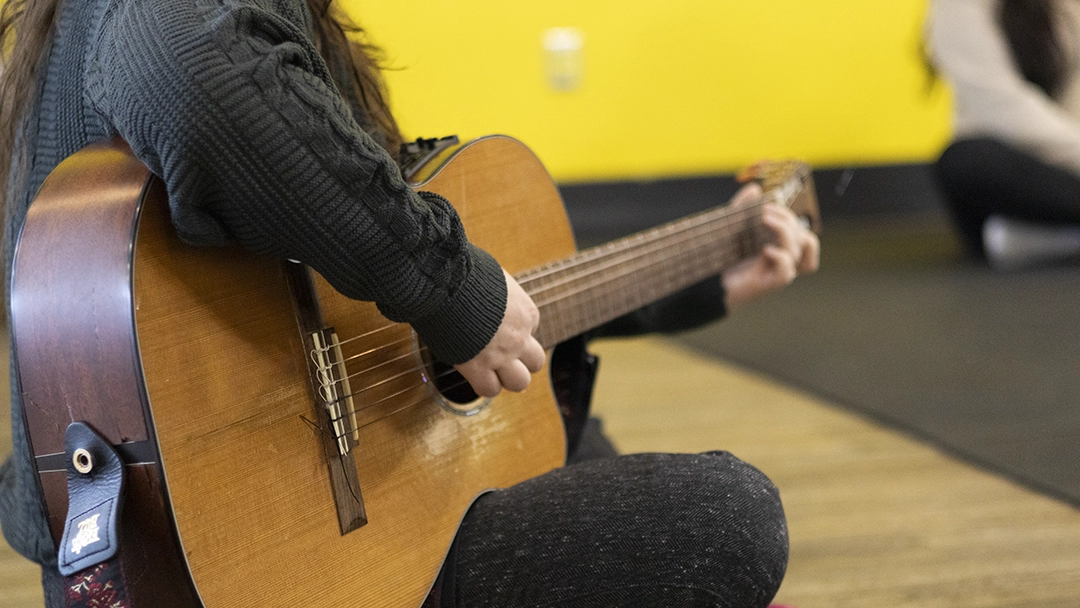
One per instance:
[(1013, 244)]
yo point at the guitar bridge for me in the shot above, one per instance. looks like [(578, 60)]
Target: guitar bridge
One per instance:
[(337, 417), (334, 389)]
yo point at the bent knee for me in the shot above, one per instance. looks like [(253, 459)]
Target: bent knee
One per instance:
[(731, 519)]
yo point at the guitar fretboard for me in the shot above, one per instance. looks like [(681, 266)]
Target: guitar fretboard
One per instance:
[(603, 283)]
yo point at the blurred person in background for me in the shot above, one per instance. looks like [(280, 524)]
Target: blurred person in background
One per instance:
[(1011, 176)]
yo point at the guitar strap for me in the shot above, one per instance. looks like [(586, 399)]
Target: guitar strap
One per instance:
[(89, 555), (98, 586)]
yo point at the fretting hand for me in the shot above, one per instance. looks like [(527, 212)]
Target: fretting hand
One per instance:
[(794, 250)]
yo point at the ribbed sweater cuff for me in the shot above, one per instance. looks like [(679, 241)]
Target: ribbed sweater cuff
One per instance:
[(467, 321)]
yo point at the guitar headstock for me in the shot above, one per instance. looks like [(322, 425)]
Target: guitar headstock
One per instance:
[(789, 183)]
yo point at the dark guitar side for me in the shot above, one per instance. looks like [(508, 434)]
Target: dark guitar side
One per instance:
[(73, 326)]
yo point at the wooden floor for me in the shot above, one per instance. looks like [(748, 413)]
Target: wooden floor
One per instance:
[(877, 520)]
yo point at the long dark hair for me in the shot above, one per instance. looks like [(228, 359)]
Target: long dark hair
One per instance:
[(1033, 29), (26, 27), (345, 47)]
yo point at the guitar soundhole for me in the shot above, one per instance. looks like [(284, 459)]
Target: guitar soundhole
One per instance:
[(448, 387), (451, 384)]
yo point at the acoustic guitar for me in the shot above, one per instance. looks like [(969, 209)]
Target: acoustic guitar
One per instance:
[(285, 445)]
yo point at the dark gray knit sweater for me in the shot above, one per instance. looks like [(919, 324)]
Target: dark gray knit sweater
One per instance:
[(230, 104)]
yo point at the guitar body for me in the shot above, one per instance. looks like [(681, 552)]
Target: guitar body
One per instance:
[(203, 355)]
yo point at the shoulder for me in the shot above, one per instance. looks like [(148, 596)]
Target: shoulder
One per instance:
[(184, 44), (966, 38), (958, 15), (176, 22)]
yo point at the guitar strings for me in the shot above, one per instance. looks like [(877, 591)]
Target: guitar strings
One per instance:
[(701, 222), (582, 274), (597, 254), (608, 252), (354, 410), (613, 262)]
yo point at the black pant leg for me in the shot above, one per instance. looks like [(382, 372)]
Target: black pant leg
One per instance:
[(981, 177)]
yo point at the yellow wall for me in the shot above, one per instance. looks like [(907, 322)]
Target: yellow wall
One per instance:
[(668, 88)]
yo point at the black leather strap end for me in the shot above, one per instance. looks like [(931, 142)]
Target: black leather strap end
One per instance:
[(95, 475)]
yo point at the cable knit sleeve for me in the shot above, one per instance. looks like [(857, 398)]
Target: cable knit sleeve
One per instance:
[(992, 97), (229, 102)]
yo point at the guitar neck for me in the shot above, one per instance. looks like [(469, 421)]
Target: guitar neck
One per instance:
[(602, 283)]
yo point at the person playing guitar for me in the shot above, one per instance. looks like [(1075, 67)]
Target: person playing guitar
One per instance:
[(267, 124)]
